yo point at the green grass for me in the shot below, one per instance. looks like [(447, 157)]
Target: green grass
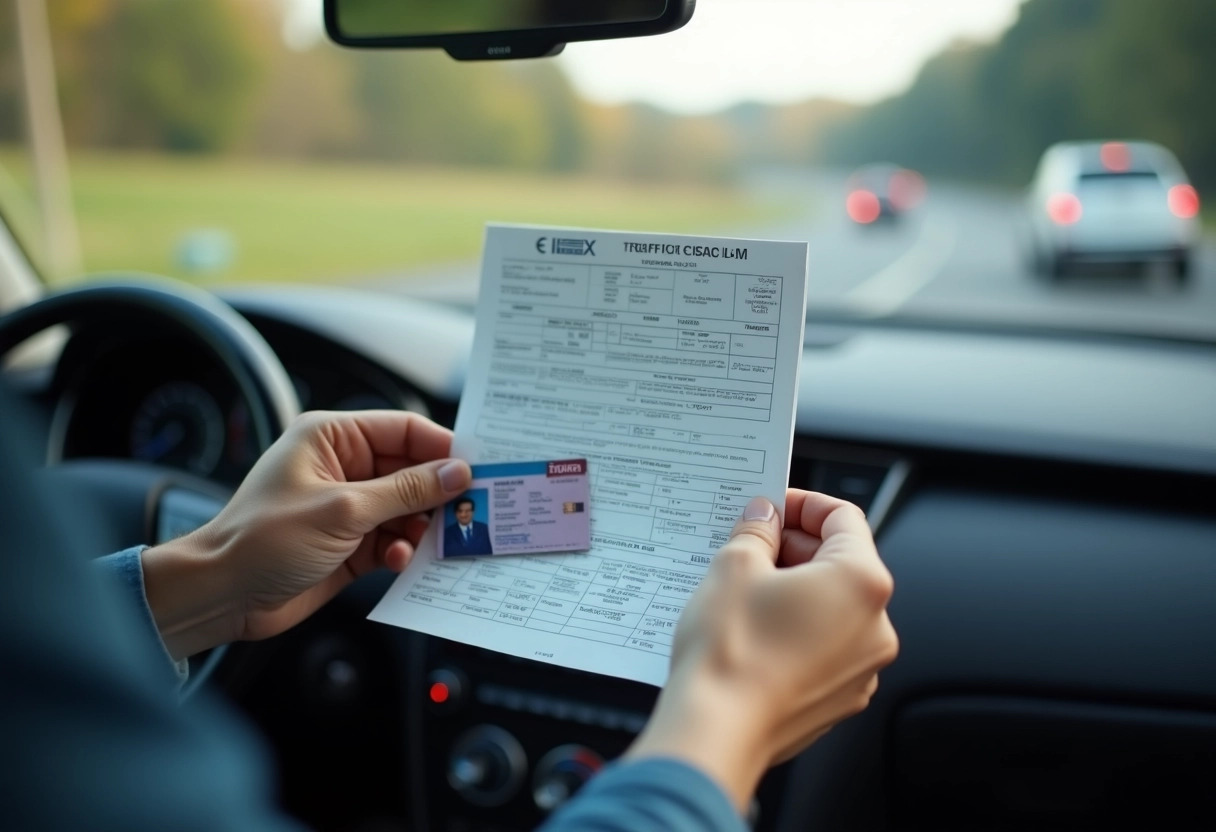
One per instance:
[(344, 221)]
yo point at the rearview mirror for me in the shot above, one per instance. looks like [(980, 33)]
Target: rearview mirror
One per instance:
[(471, 30)]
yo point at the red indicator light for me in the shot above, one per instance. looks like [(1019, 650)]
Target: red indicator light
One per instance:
[(1115, 157), (439, 693), (863, 206), (1183, 201), (1064, 209)]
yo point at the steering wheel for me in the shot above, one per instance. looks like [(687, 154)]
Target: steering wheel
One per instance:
[(142, 502)]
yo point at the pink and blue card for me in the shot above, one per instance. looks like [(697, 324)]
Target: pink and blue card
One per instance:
[(520, 508)]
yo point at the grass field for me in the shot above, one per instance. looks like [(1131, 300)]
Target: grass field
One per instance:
[(342, 221)]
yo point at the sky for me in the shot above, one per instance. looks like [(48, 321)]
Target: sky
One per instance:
[(764, 50)]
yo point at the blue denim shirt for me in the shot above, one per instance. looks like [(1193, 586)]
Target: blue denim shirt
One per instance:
[(128, 568), (663, 795)]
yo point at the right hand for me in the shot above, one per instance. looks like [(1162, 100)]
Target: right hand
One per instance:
[(783, 639)]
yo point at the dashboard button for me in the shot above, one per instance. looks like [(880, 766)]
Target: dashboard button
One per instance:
[(561, 773), (445, 689), (486, 766)]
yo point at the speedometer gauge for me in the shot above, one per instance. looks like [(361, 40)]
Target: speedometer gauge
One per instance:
[(179, 425)]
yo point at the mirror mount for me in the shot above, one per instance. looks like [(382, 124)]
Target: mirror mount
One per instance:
[(500, 49), (480, 30)]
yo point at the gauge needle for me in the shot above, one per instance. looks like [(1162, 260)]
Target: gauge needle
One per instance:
[(165, 440)]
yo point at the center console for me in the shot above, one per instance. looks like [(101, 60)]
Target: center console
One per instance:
[(499, 742)]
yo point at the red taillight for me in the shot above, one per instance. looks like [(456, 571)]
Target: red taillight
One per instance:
[(862, 206), (1183, 201), (1115, 157), (907, 189), (1064, 209)]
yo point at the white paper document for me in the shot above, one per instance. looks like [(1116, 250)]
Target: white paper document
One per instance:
[(671, 364)]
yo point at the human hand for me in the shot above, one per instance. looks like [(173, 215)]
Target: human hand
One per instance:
[(783, 639), (338, 495)]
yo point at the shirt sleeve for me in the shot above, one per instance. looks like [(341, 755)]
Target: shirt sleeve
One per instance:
[(126, 569), (93, 738), (663, 795)]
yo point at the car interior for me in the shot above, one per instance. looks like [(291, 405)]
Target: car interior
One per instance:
[(1042, 487)]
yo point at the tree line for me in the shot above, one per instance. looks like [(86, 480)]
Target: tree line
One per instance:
[(214, 76), (1067, 69)]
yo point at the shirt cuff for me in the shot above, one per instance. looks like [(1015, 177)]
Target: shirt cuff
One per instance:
[(660, 794), (128, 569)]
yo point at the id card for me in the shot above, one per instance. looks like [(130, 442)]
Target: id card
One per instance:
[(520, 508)]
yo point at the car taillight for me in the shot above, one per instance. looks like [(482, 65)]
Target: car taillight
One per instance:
[(1064, 209), (1183, 201), (862, 206), (1116, 157), (907, 189)]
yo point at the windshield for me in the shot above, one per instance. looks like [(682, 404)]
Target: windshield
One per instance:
[(1036, 162)]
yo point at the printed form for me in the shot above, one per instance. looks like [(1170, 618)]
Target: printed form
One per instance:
[(671, 364)]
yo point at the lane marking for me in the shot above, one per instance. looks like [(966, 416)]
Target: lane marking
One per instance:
[(888, 289)]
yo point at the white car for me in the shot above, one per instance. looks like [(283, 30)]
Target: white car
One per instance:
[(1111, 202)]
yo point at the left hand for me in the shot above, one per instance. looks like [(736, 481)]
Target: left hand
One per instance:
[(338, 495)]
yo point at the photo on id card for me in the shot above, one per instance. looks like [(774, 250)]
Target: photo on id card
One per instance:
[(520, 508)]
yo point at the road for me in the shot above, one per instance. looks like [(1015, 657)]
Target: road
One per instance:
[(958, 256)]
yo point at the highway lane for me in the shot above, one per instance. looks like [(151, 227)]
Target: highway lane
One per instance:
[(958, 256), (962, 255)]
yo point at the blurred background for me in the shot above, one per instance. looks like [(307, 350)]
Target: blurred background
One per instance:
[(227, 140)]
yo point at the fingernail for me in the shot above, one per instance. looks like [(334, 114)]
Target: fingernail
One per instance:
[(759, 509), (454, 475)]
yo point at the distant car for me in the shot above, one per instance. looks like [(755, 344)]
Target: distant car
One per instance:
[(1111, 202), (882, 192)]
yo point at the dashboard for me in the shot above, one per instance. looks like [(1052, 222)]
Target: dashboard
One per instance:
[(1044, 503), (152, 397)]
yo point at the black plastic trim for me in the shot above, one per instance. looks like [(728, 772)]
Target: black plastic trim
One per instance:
[(525, 43)]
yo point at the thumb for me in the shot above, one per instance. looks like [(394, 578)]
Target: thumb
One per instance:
[(756, 535), (413, 490)]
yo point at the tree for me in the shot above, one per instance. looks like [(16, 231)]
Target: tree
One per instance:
[(1067, 69)]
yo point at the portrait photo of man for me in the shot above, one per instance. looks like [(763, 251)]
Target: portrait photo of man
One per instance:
[(465, 535)]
